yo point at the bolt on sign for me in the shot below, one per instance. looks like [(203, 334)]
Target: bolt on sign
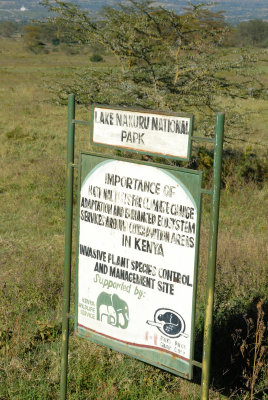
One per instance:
[(138, 248), (165, 134)]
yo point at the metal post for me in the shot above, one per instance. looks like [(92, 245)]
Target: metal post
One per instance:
[(214, 219), (68, 248)]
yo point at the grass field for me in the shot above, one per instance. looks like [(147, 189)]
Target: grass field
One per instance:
[(32, 192)]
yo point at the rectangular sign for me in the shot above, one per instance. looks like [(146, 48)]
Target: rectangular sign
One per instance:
[(137, 259), (164, 134)]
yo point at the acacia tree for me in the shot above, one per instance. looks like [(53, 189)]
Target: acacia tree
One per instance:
[(164, 60)]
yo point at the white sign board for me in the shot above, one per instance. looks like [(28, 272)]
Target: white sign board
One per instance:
[(167, 135), (137, 257)]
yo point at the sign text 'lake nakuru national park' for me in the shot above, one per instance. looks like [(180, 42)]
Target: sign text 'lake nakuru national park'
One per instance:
[(166, 134)]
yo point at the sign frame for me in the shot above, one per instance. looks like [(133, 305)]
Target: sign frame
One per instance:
[(213, 192), (144, 111), (154, 357)]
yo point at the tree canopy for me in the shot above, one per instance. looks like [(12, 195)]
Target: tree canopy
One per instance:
[(164, 60)]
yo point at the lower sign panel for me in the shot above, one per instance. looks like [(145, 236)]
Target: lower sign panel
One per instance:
[(137, 260)]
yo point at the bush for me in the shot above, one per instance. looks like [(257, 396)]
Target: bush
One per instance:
[(96, 58)]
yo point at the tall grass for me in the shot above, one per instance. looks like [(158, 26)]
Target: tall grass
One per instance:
[(32, 192)]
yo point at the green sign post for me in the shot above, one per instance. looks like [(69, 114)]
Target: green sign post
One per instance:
[(138, 241)]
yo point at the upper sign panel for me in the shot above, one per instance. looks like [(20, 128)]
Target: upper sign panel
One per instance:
[(162, 134)]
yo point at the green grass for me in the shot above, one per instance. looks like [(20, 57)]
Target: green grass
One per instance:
[(32, 193)]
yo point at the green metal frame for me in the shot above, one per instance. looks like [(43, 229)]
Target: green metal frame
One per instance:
[(123, 148), (214, 220), (212, 254), (68, 248)]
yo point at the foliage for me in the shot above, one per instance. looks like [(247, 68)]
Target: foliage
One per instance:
[(163, 60), (252, 33), (33, 38), (237, 166), (40, 36), (96, 57), (9, 28)]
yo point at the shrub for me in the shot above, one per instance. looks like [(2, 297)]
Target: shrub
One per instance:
[(96, 58)]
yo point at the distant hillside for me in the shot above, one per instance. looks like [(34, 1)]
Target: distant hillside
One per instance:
[(235, 10)]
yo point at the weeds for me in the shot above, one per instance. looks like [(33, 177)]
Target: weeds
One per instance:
[(258, 348), (252, 344)]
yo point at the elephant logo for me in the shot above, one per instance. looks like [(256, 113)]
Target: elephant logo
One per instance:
[(169, 322), (112, 310)]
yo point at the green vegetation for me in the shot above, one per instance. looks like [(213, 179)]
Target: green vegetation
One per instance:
[(161, 60), (96, 57), (9, 28), (250, 33), (32, 191)]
